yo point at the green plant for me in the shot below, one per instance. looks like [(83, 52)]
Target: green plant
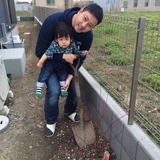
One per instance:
[(114, 43), (107, 51), (154, 80), (119, 60), (154, 28), (156, 47), (146, 51), (109, 31)]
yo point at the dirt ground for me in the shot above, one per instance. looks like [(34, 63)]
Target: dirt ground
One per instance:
[(24, 138)]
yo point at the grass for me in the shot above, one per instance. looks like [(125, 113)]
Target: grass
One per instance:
[(153, 80), (149, 15), (24, 14)]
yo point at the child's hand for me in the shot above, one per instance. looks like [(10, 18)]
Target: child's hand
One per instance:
[(66, 86), (85, 53), (39, 65), (68, 80)]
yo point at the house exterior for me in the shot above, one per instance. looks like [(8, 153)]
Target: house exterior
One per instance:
[(7, 18), (82, 3), (128, 5), (61, 4), (139, 5)]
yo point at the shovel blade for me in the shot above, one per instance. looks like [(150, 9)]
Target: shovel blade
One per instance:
[(84, 136)]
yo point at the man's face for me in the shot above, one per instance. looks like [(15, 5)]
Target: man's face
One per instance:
[(83, 21)]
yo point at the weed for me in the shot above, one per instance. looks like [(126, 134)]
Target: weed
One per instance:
[(154, 80), (114, 43), (156, 102), (119, 60), (146, 51), (156, 47), (153, 28), (109, 31)]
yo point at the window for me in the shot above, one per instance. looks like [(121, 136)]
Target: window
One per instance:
[(116, 1), (146, 3), (135, 3), (112, 2), (50, 2), (157, 3), (125, 4)]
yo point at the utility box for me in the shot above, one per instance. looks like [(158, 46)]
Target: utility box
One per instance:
[(15, 43), (15, 61), (9, 44)]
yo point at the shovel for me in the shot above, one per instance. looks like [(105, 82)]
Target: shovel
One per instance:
[(83, 131)]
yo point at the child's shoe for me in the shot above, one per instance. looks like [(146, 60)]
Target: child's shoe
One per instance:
[(64, 93), (39, 92)]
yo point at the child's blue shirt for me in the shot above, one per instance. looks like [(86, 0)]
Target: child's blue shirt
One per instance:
[(54, 48)]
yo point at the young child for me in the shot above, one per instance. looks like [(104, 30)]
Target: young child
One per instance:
[(63, 43)]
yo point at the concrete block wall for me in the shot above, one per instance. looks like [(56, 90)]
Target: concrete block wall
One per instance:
[(129, 142), (26, 19)]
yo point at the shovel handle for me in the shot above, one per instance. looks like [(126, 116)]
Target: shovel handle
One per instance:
[(76, 68), (78, 90), (76, 76)]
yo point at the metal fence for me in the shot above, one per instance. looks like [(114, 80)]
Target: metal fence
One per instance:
[(126, 49), (23, 7), (42, 13)]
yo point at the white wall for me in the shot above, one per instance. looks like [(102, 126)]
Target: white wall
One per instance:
[(103, 4)]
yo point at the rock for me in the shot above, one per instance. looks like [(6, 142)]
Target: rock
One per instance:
[(119, 88)]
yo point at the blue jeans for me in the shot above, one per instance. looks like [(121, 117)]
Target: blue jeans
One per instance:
[(49, 68), (51, 108)]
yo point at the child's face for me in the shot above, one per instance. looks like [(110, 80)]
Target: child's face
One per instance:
[(63, 42)]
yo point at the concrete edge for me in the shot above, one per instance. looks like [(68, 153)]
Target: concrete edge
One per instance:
[(142, 139), (38, 20)]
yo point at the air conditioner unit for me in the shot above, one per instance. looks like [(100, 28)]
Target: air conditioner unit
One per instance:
[(4, 88)]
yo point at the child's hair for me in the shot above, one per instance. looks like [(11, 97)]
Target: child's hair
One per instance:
[(63, 30)]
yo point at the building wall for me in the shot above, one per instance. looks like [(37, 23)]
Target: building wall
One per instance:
[(82, 3), (140, 6), (7, 17), (117, 7), (58, 4), (107, 7)]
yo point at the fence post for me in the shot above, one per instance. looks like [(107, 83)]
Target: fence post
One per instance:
[(137, 59)]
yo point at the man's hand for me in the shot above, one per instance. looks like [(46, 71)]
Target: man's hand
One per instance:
[(69, 57), (68, 80)]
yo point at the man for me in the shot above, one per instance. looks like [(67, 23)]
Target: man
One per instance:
[(83, 21)]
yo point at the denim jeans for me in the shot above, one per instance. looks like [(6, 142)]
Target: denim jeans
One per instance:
[(49, 68), (51, 108)]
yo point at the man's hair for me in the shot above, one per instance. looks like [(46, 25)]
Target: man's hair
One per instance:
[(63, 30), (95, 10)]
